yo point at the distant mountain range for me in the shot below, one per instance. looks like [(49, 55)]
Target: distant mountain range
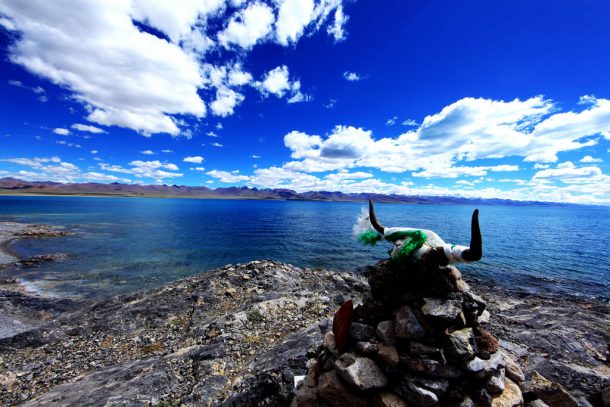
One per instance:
[(15, 186)]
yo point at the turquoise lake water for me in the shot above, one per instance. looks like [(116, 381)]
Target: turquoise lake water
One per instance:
[(127, 244)]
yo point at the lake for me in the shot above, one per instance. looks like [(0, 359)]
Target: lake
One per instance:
[(126, 244)]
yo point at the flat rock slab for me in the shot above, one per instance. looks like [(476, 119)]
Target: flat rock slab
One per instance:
[(446, 310), (360, 372)]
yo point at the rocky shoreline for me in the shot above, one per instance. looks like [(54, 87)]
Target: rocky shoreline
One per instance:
[(239, 334), (22, 310)]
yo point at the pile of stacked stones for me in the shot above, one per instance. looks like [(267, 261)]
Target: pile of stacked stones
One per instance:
[(416, 340)]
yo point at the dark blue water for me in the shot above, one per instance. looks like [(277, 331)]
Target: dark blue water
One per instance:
[(127, 244)]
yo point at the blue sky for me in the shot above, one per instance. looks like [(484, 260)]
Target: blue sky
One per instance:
[(476, 98)]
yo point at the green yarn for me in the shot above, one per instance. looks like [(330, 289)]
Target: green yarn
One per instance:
[(369, 237), (413, 241)]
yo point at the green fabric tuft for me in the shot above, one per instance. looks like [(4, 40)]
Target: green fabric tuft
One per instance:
[(369, 237), (413, 241)]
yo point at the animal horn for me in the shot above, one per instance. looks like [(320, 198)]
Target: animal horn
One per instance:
[(476, 244), (379, 228)]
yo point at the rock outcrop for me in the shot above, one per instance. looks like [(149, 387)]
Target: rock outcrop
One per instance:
[(233, 336), (238, 336)]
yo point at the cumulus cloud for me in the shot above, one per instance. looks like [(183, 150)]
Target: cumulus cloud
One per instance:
[(248, 27), (156, 170), (351, 76), (458, 171), (154, 80), (277, 82), (61, 131), (293, 17), (56, 170), (569, 173), (467, 130), (337, 29), (581, 191), (194, 159), (161, 71), (237, 77), (589, 159), (225, 102), (228, 177)]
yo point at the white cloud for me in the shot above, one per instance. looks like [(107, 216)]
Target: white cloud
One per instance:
[(211, 134), (467, 130), (56, 170), (331, 103), (568, 173), (337, 29), (65, 143), (589, 159), (293, 17), (174, 21), (154, 80), (7, 24), (410, 122), (237, 77), (352, 76), (539, 166), (42, 96), (196, 43), (391, 121), (161, 71), (454, 172), (61, 131), (255, 156), (276, 81), (227, 177), (146, 169), (216, 145), (88, 128), (248, 27), (197, 168), (147, 152), (218, 126), (297, 96), (226, 100), (194, 159), (93, 176), (166, 151), (94, 151)]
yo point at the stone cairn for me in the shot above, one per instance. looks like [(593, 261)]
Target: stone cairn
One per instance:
[(416, 340)]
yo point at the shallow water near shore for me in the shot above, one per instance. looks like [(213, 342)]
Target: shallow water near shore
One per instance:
[(123, 245)]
